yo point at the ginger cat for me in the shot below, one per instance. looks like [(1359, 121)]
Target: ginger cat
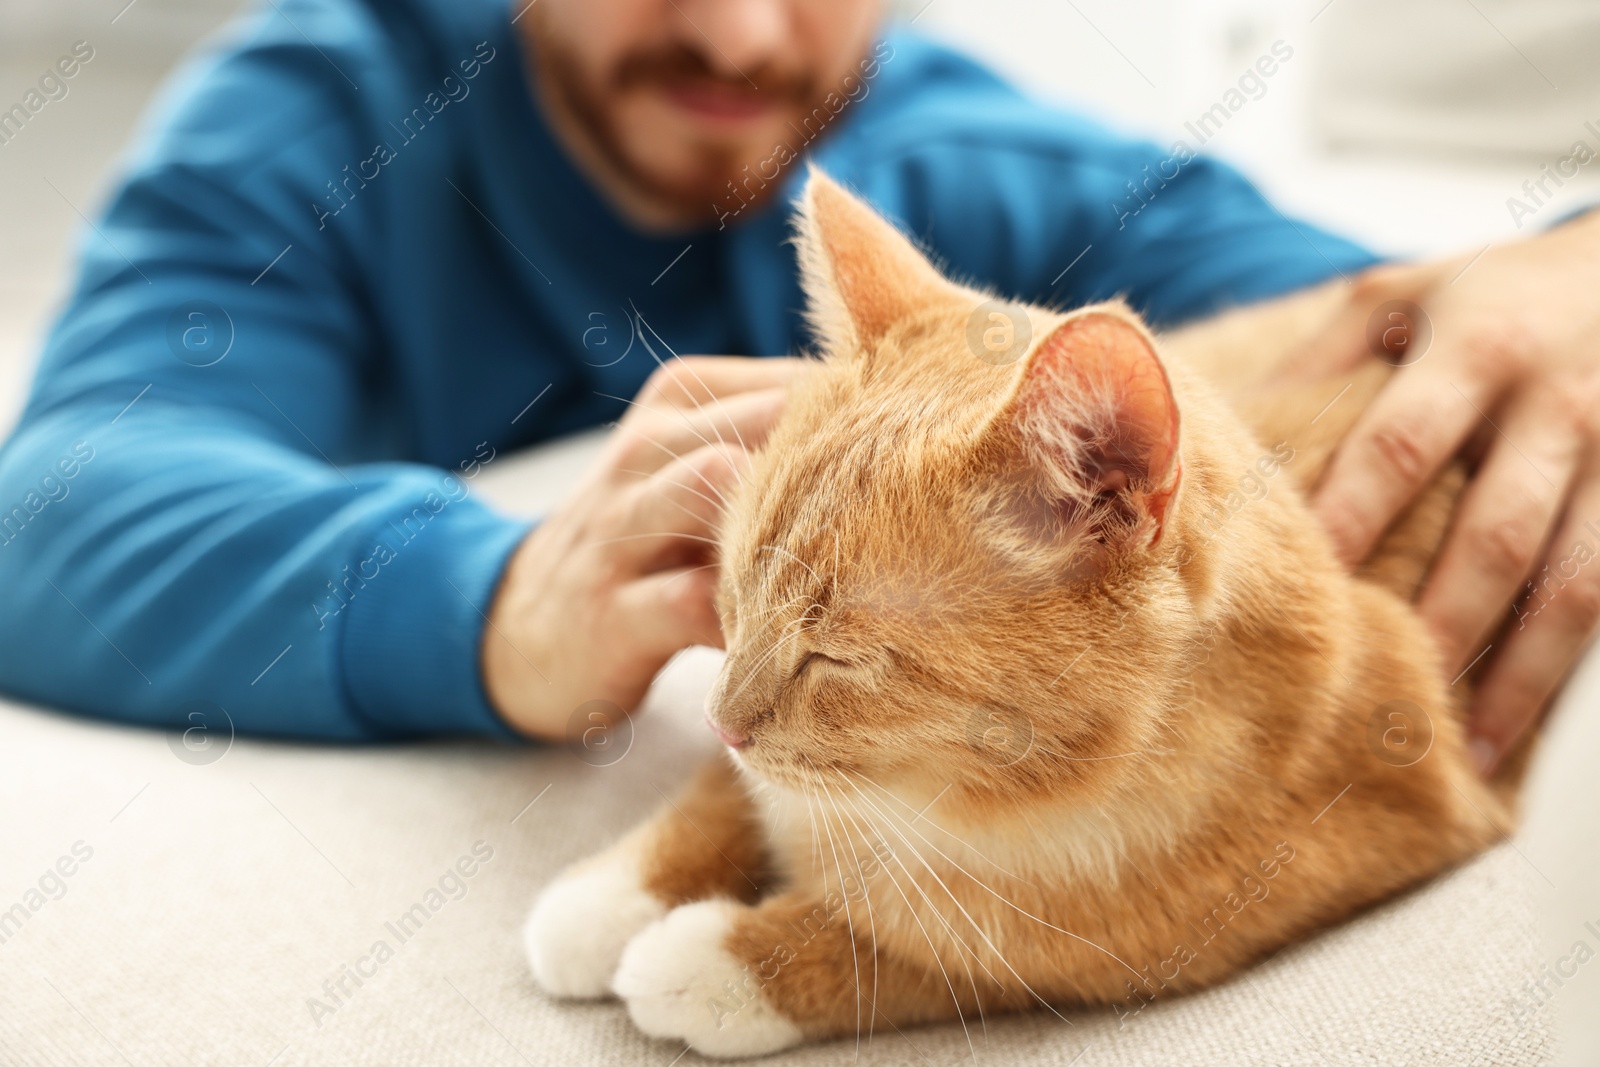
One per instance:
[(1043, 687)]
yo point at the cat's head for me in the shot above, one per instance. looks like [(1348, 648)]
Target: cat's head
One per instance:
[(959, 555)]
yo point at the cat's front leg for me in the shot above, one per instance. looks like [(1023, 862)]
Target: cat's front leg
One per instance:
[(706, 843), (738, 980)]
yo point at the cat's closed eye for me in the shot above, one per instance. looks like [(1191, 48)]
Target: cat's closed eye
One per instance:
[(810, 659), (813, 660)]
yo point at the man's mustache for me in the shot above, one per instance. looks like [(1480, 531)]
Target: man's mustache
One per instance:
[(687, 67)]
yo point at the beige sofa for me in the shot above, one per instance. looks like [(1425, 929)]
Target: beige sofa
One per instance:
[(266, 903)]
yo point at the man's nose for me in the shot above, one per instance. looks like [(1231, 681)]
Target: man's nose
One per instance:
[(737, 35)]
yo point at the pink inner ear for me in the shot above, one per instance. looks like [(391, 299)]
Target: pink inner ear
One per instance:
[(1099, 373)]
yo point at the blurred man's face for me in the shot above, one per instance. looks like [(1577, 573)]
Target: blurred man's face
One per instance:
[(663, 102)]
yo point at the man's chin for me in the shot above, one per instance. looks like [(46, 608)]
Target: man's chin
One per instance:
[(693, 174)]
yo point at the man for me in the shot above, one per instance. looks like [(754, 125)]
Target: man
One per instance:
[(365, 241)]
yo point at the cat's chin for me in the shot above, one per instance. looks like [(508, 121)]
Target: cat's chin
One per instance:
[(806, 773), (760, 766), (786, 772)]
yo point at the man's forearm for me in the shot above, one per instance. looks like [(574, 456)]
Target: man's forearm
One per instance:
[(188, 565)]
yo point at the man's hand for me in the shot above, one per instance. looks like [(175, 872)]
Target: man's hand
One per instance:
[(1513, 376), (604, 591)]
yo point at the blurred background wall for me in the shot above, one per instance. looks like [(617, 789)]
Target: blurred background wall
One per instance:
[(58, 164)]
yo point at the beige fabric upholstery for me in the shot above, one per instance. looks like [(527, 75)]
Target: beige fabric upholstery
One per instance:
[(219, 898)]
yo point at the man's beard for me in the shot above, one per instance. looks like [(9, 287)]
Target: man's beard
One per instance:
[(692, 194)]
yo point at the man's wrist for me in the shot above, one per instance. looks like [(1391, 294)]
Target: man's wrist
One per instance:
[(409, 639)]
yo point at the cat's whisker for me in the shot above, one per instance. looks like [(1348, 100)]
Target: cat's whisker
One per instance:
[(922, 860), (932, 948), (953, 836), (687, 425), (810, 795), (640, 325), (963, 950), (1009, 903), (816, 840), (679, 455), (850, 925), (867, 837), (684, 507), (755, 667), (866, 897), (780, 607), (720, 503), (765, 613), (797, 559), (993, 948), (658, 533), (1092, 759), (691, 570)]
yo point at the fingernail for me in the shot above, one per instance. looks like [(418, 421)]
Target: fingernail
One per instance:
[(1484, 755)]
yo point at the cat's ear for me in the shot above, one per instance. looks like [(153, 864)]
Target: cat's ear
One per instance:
[(1096, 415), (860, 274)]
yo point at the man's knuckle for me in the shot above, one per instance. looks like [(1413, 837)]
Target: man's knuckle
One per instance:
[(1500, 350), (1503, 547), (1402, 447), (715, 462), (1564, 405), (632, 449), (688, 598), (666, 382), (619, 512), (1378, 284), (1578, 603), (1580, 402)]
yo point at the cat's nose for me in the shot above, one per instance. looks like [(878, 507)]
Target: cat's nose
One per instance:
[(727, 737)]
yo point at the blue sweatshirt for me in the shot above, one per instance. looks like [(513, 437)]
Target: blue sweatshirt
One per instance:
[(346, 266)]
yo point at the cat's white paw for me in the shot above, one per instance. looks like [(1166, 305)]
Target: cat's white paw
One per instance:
[(680, 982), (581, 923)]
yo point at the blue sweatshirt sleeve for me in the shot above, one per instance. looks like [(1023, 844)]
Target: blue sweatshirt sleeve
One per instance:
[(191, 517)]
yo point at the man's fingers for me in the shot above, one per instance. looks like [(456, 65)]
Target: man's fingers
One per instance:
[(1397, 446), (1501, 527), (1343, 344), (1551, 629), (670, 610), (1338, 348), (650, 439), (695, 381), (673, 514)]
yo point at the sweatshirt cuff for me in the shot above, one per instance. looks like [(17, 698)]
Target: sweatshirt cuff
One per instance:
[(410, 649)]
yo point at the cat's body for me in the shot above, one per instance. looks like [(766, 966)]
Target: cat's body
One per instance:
[(1034, 700)]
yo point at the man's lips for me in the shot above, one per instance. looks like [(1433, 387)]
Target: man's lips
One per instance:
[(719, 104)]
